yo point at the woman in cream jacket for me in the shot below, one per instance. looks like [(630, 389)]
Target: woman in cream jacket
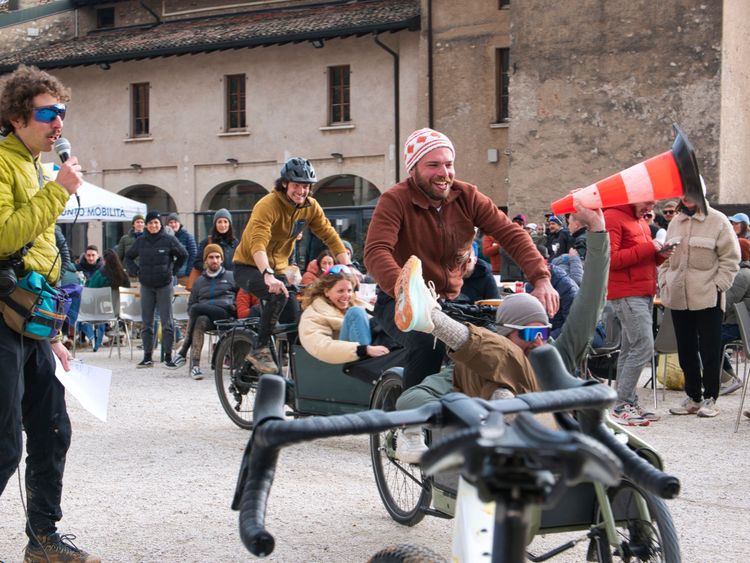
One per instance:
[(692, 283), (335, 326)]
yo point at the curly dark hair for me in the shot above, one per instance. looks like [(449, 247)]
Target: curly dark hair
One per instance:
[(19, 91)]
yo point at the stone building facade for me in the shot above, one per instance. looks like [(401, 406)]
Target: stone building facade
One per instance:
[(538, 96)]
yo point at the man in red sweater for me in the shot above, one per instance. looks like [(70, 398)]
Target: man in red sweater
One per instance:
[(631, 290), (432, 215)]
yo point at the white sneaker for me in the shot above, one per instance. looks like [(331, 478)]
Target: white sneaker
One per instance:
[(708, 409), (410, 445), (415, 301)]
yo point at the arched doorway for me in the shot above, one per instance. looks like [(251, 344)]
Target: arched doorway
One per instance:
[(153, 196), (238, 196), (343, 190)]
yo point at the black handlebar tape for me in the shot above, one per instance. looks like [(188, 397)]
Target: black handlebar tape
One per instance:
[(550, 370), (638, 469), (590, 396), (262, 468), (269, 399)]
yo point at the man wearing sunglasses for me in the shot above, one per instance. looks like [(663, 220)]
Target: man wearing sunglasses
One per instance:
[(494, 365), (32, 108)]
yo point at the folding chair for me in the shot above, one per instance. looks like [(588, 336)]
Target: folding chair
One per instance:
[(130, 313), (98, 305), (664, 343), (743, 320)]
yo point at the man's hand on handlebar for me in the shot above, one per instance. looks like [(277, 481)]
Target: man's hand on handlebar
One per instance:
[(275, 285)]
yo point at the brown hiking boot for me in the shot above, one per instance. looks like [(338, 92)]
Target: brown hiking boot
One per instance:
[(262, 360), (57, 549)]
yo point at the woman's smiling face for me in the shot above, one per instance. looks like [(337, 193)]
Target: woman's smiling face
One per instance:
[(340, 294)]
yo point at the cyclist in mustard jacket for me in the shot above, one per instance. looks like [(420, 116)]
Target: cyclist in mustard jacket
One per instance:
[(263, 254)]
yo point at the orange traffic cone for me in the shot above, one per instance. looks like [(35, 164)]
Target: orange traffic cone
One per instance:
[(670, 174)]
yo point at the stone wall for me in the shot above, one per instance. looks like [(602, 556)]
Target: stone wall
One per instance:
[(596, 86)]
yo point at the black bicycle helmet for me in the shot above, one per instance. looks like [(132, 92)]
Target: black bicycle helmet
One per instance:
[(298, 170)]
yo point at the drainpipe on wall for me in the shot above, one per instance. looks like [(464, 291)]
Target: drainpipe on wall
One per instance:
[(396, 106), (430, 109)]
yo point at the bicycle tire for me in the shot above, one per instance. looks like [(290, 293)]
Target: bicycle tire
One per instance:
[(236, 380), (402, 487), (640, 539), (406, 553)]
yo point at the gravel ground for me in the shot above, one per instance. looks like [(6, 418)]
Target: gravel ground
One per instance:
[(155, 482)]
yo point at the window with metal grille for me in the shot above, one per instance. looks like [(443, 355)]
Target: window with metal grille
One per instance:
[(140, 111), (338, 94), (502, 75), (235, 102)]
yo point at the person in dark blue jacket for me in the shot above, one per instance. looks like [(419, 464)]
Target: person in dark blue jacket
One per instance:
[(479, 283), (188, 241), (568, 289), (160, 257)]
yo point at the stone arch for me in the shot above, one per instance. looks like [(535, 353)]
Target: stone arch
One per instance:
[(153, 196), (345, 190), (238, 196)]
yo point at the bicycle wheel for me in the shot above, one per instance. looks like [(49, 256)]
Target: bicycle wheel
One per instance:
[(402, 487), (644, 526), (406, 554), (236, 379)]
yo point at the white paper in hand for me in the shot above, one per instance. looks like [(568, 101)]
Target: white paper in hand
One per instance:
[(88, 384)]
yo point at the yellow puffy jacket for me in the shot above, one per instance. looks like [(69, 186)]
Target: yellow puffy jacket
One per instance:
[(28, 212)]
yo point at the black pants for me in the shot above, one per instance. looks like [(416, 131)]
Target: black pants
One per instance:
[(31, 394), (202, 317), (425, 355), (698, 336), (274, 307)]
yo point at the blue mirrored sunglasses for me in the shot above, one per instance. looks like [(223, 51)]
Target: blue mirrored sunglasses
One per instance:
[(47, 114), (338, 269), (530, 333)]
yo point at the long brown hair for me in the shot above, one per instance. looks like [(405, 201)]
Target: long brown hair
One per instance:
[(323, 284), (113, 269)]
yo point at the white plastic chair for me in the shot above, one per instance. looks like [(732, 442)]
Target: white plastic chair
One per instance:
[(130, 313), (98, 305)]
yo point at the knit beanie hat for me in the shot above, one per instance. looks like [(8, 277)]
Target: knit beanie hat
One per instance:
[(520, 309), (348, 246), (555, 219), (136, 217), (211, 248), (151, 215), (223, 214), (173, 217), (421, 142)]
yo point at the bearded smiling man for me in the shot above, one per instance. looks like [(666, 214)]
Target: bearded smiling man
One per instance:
[(432, 215)]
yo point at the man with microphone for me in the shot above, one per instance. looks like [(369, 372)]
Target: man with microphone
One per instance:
[(32, 109)]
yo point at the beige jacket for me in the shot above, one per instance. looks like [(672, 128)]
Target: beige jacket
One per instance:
[(319, 329), (705, 262)]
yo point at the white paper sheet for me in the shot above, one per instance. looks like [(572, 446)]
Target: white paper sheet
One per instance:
[(88, 384)]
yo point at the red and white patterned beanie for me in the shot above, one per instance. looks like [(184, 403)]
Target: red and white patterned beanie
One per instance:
[(421, 142)]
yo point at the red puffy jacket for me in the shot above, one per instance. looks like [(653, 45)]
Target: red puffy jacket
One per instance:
[(632, 266)]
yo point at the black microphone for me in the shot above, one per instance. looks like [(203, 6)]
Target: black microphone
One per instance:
[(63, 150)]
